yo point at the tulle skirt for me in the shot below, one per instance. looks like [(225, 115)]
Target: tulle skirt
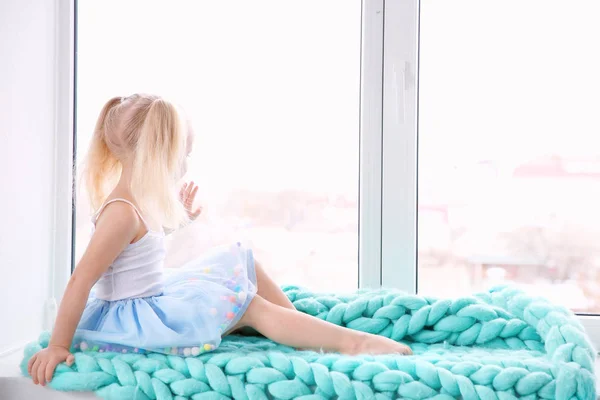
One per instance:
[(200, 302)]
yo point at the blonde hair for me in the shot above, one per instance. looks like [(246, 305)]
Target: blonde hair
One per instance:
[(147, 132)]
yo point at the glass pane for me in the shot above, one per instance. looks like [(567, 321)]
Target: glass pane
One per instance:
[(509, 154), (272, 89)]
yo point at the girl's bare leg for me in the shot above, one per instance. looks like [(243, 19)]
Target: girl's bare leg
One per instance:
[(269, 290), (296, 329)]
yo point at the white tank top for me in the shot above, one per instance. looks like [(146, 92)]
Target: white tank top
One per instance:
[(138, 270)]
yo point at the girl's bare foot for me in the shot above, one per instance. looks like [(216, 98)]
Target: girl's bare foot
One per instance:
[(372, 344)]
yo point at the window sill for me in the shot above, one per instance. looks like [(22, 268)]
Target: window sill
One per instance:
[(13, 386), (592, 327)]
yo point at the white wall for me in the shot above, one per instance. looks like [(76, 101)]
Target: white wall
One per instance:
[(27, 94)]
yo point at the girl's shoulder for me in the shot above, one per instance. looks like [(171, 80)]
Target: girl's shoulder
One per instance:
[(118, 209), (122, 206), (126, 211)]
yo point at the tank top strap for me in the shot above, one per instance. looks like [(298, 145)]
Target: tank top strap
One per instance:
[(97, 214)]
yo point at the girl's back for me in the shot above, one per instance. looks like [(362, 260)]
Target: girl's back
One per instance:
[(138, 270)]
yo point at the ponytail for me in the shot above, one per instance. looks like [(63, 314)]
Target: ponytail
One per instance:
[(102, 169), (157, 164)]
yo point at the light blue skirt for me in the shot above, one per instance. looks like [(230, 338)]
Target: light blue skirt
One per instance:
[(200, 302)]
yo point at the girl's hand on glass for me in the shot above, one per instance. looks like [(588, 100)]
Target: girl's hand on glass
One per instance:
[(43, 363), (187, 194)]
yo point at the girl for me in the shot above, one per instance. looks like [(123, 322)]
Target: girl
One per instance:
[(136, 157)]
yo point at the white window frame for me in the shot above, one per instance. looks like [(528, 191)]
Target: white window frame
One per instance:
[(64, 142), (399, 199), (371, 139), (388, 149)]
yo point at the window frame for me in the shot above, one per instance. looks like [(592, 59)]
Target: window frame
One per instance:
[(64, 154), (371, 149), (400, 152)]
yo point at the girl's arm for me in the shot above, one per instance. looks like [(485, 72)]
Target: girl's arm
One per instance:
[(117, 226)]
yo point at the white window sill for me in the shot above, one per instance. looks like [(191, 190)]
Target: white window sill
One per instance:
[(592, 327), (22, 388), (13, 386)]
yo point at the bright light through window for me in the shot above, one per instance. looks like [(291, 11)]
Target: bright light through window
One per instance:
[(509, 148), (272, 89)]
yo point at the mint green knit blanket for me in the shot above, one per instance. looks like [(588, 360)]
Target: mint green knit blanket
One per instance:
[(497, 345)]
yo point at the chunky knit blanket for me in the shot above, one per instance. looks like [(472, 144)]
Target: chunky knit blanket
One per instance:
[(498, 345)]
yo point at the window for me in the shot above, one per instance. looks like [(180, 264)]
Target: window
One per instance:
[(501, 186), (273, 90), (509, 152)]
